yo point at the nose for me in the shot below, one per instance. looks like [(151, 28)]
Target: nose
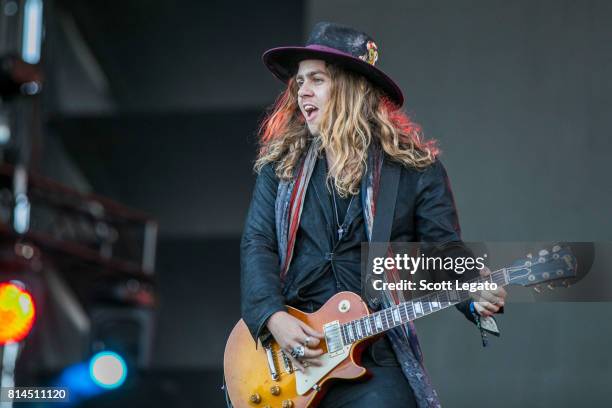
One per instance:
[(305, 90)]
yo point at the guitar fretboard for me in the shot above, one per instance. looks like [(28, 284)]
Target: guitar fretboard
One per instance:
[(402, 313)]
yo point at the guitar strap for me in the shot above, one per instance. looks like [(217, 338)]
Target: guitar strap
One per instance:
[(381, 229)]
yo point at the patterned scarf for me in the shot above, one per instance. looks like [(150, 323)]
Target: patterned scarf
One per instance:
[(289, 203)]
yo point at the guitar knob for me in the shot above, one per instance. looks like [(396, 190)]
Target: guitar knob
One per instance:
[(275, 390), (287, 404), (566, 284), (255, 398)]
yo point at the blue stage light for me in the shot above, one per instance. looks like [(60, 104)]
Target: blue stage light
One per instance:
[(32, 31), (80, 385)]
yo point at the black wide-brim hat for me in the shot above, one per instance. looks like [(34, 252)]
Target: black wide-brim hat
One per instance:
[(338, 44)]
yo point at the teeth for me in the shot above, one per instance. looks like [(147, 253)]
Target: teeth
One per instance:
[(309, 108)]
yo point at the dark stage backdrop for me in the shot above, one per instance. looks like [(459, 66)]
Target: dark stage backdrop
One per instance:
[(518, 95)]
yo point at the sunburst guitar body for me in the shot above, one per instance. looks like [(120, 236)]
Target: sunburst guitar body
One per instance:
[(262, 376)]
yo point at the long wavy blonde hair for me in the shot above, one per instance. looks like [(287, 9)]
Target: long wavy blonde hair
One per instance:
[(356, 115)]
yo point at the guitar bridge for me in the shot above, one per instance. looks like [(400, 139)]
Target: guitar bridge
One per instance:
[(333, 337), (271, 364)]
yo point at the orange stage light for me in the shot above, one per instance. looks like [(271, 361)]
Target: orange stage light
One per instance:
[(17, 313)]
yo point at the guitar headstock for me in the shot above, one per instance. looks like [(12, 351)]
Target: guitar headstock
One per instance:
[(557, 264)]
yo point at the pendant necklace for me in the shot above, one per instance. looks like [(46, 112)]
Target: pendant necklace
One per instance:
[(341, 226)]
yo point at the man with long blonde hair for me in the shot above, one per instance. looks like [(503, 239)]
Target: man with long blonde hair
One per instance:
[(322, 150)]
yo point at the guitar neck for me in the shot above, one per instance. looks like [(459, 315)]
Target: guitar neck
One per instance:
[(405, 312)]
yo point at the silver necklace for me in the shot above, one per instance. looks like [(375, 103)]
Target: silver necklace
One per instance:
[(341, 226)]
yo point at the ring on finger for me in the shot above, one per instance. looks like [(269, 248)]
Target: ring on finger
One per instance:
[(297, 352)]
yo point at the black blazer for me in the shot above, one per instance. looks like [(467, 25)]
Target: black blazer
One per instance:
[(425, 211)]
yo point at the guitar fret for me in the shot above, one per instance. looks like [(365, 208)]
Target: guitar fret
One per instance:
[(357, 329), (350, 331), (388, 318), (403, 314), (396, 315), (410, 310), (426, 307), (446, 300), (378, 321), (435, 304), (418, 309), (500, 277)]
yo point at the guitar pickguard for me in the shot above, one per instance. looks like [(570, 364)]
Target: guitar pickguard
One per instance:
[(304, 381)]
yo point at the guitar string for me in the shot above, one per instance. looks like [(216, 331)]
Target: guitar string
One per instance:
[(480, 279), (509, 269)]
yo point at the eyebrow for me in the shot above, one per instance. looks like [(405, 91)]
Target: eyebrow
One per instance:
[(311, 74)]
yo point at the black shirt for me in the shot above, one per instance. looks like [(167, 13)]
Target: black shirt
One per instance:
[(339, 268)]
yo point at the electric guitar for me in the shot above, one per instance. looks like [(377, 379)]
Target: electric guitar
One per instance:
[(263, 376)]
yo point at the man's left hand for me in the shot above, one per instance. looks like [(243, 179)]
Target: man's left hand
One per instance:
[(488, 302)]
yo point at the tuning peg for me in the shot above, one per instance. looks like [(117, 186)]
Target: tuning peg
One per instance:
[(566, 284), (537, 289), (550, 286)]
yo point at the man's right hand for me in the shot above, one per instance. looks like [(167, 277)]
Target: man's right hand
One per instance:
[(290, 332)]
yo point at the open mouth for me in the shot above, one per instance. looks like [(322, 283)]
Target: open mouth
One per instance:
[(310, 111)]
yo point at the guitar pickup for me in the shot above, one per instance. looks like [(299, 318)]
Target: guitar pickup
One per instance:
[(333, 337), (286, 363)]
